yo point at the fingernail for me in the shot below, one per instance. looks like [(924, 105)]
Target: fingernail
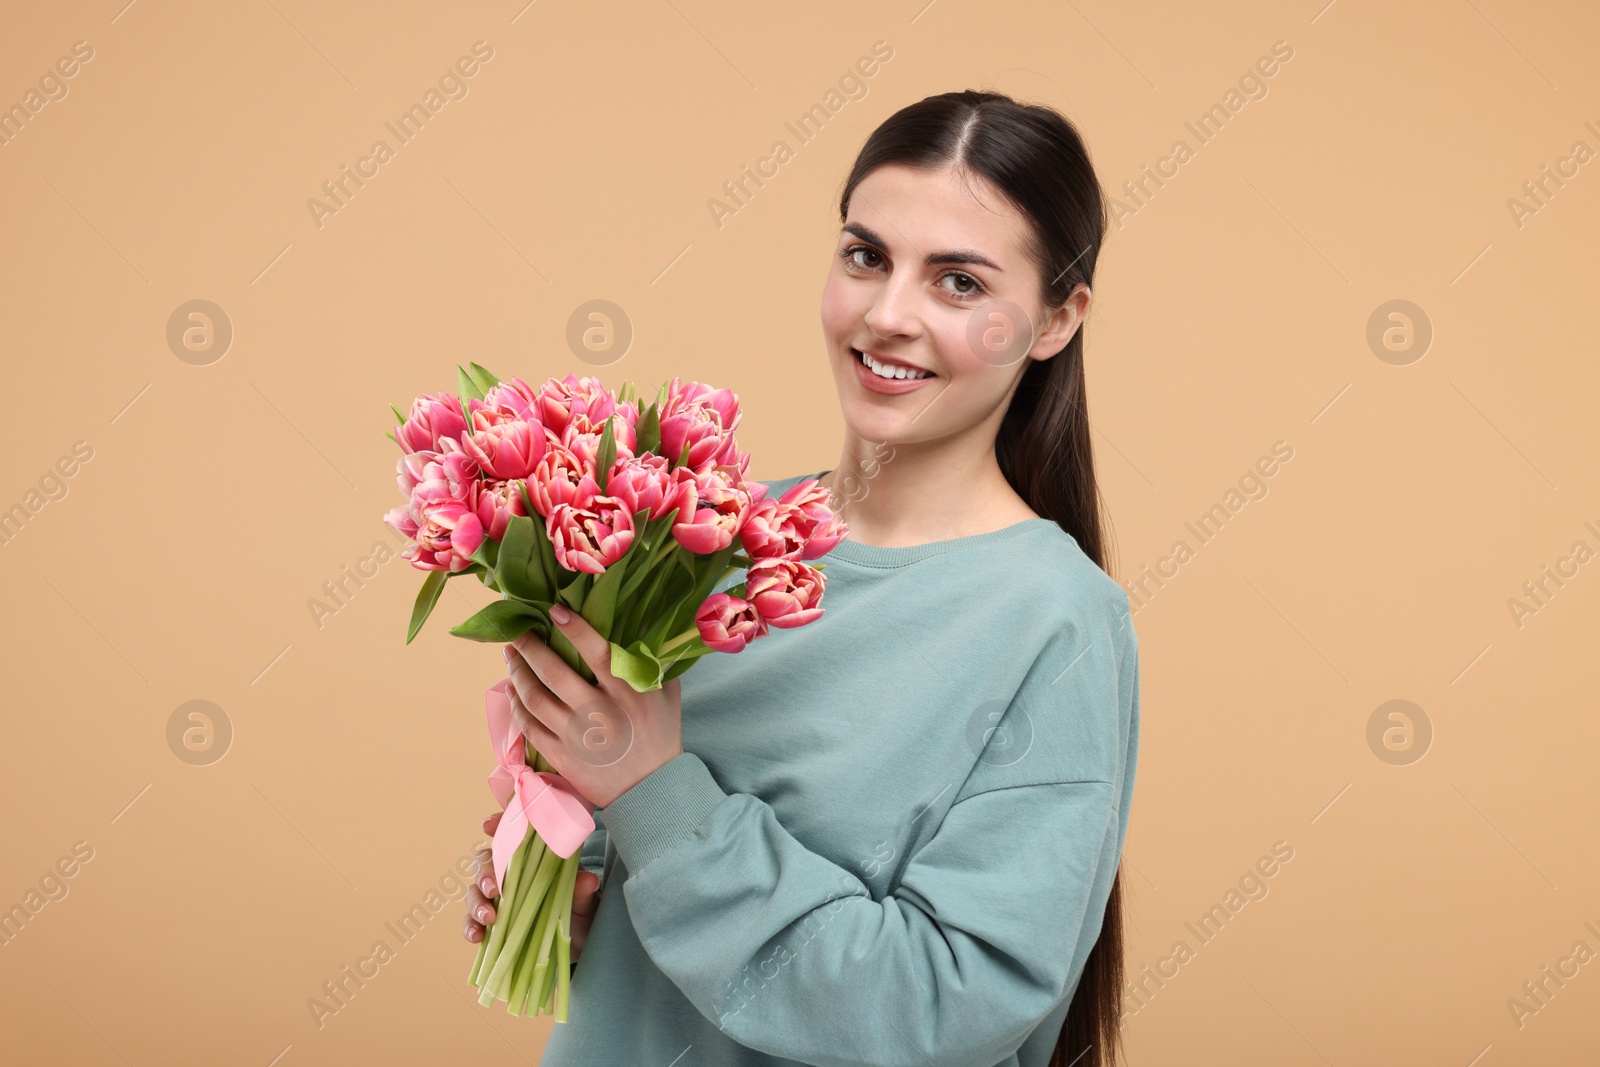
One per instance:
[(507, 653), (560, 614), (485, 915), (488, 887)]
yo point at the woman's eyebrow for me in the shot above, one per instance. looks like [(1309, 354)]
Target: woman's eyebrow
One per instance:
[(955, 255)]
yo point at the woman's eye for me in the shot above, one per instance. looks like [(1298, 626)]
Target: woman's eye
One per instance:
[(850, 255), (967, 287), (970, 286)]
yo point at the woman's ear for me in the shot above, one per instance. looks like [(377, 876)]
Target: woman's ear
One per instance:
[(1061, 323)]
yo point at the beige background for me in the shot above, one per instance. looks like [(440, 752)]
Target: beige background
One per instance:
[(1232, 312)]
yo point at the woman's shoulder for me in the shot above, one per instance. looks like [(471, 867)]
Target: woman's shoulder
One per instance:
[(1074, 581)]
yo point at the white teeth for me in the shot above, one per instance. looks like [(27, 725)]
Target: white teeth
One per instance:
[(883, 370)]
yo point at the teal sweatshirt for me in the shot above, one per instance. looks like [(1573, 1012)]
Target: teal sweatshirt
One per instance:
[(891, 834)]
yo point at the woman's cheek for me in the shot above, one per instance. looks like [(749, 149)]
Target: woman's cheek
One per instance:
[(838, 317)]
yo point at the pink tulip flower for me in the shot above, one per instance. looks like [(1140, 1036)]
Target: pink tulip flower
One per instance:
[(723, 401), (497, 503), (582, 436), (728, 624), (514, 397), (785, 592), (639, 482), (443, 525), (591, 533), (823, 528), (433, 416), (450, 465), (701, 428), (719, 514), (510, 449), (555, 479), (774, 530), (557, 400), (682, 492)]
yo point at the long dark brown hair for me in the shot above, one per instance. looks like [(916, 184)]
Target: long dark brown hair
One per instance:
[(1036, 158)]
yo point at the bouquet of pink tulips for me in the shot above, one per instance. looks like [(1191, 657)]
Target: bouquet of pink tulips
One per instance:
[(631, 518)]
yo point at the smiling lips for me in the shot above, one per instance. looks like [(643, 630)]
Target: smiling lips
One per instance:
[(879, 383)]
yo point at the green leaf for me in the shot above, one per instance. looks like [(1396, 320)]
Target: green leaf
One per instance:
[(501, 620), (600, 606), (573, 593), (427, 597), (391, 437), (637, 666), (709, 571), (683, 457), (399, 415), (680, 666), (468, 390), (486, 552), (467, 384), (607, 454), (648, 565), (544, 551), (570, 654), (483, 379), (519, 569), (648, 430)]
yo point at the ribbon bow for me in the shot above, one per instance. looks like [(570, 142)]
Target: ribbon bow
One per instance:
[(547, 802)]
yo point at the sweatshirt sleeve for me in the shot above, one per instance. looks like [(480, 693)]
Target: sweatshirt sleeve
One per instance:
[(789, 953), (593, 855)]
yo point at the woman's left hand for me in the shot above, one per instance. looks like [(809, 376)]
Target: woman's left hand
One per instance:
[(603, 738)]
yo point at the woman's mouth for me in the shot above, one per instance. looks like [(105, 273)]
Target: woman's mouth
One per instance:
[(881, 376)]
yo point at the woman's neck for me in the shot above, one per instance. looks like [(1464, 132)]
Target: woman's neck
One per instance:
[(902, 495)]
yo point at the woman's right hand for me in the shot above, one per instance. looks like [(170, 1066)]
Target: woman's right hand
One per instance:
[(483, 892)]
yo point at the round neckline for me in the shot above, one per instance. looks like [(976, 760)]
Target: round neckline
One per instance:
[(899, 555)]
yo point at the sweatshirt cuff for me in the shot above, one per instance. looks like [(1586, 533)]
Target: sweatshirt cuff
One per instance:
[(661, 810)]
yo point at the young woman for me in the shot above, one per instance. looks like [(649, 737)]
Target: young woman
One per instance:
[(890, 836)]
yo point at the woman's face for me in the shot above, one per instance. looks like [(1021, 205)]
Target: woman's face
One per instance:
[(931, 272)]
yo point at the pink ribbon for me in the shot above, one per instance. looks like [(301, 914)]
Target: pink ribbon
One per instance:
[(547, 802)]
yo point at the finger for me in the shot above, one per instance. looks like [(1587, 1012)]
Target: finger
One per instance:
[(472, 931), (529, 693), (550, 715), (478, 907), (595, 650), (547, 744), (548, 666), (586, 894), (484, 873), (492, 823)]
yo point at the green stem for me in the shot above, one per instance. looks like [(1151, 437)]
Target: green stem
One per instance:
[(687, 635), (564, 943), (505, 915), (523, 916), (549, 1002), (477, 961), (520, 981), (540, 941), (635, 615), (495, 934), (563, 974)]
